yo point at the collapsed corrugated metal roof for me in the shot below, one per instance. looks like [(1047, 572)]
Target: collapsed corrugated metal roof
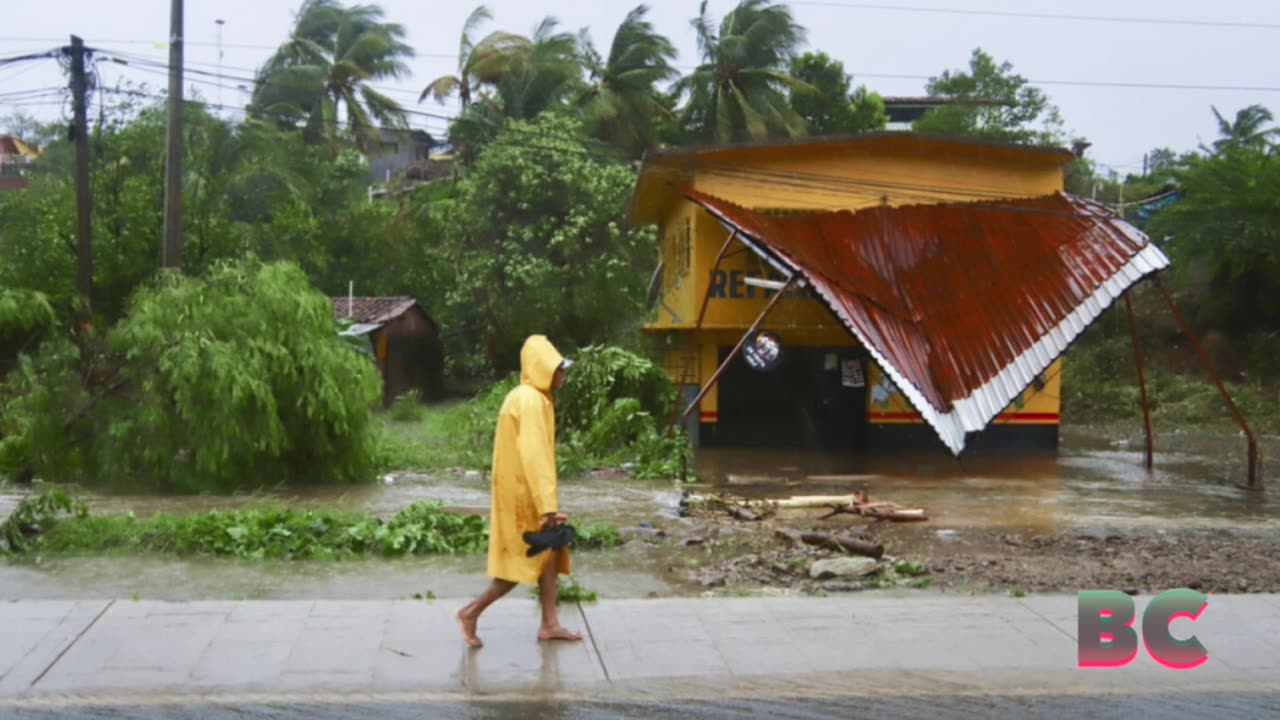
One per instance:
[(962, 305)]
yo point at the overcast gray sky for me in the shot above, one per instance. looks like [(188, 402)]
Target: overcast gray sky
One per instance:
[(1122, 122)]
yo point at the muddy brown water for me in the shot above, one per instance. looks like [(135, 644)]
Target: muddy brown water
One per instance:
[(1096, 480)]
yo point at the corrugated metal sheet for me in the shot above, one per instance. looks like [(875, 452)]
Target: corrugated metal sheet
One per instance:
[(962, 305), (371, 310)]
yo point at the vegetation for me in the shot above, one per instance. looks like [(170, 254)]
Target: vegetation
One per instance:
[(993, 102), (220, 367), (834, 108), (739, 90), (327, 69), (569, 591), (611, 413), (54, 523), (231, 380), (539, 218), (408, 408)]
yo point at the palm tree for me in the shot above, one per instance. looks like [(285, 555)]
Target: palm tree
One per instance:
[(324, 72), (1249, 129), (479, 64), (538, 75), (623, 100), (740, 91)]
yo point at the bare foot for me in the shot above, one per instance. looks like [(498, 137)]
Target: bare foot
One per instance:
[(468, 623), (558, 633)]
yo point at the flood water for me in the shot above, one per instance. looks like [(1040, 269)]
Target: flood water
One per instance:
[(1093, 481)]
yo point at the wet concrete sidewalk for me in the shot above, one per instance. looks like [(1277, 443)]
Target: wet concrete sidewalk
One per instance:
[(56, 654)]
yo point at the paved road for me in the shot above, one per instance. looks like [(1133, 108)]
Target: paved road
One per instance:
[(873, 655), (1193, 705)]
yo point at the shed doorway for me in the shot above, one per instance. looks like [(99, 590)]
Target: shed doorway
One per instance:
[(815, 398)]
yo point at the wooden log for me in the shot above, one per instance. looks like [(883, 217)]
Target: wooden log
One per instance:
[(808, 501), (741, 514), (851, 544)]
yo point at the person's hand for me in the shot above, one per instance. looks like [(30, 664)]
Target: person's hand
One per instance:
[(551, 520)]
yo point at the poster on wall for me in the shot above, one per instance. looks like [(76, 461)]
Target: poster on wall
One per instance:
[(851, 374), (763, 352)]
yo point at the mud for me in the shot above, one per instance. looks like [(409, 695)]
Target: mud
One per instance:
[(977, 560)]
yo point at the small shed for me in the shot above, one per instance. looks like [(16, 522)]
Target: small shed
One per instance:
[(405, 341)]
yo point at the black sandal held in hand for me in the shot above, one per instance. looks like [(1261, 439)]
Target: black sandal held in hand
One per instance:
[(557, 538)]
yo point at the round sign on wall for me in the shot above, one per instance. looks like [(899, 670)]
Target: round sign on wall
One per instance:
[(763, 352)]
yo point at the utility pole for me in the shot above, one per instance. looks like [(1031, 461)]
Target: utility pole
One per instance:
[(84, 201), (172, 255), (220, 23)]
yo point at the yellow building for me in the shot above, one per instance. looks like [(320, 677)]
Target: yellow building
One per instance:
[(828, 390)]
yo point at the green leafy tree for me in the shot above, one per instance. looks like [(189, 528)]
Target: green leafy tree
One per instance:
[(327, 69), (536, 243), (540, 74), (622, 104), (230, 381), (1227, 222), (991, 101), (832, 107), (740, 89)]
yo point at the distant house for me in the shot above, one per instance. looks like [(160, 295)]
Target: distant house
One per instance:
[(16, 158), (903, 112), (405, 342), (398, 151)]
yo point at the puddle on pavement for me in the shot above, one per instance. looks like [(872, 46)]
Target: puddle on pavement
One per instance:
[(1093, 481)]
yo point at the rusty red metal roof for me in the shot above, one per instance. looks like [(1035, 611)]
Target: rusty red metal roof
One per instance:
[(371, 310), (962, 305)]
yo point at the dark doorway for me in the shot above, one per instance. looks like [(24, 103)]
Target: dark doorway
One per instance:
[(811, 400)]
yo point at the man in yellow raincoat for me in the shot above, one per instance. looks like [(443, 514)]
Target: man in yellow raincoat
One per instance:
[(524, 493)]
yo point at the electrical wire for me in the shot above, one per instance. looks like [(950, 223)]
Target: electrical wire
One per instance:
[(1040, 16)]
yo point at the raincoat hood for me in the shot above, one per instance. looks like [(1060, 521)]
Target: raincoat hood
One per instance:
[(539, 361)]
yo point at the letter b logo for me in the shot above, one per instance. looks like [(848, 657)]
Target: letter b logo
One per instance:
[(1107, 639)]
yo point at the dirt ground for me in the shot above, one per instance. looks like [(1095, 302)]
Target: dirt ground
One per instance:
[(723, 554)]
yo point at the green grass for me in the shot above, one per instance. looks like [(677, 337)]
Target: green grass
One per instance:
[(456, 436), (408, 408), (1100, 385)]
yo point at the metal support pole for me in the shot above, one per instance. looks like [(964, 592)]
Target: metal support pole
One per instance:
[(1255, 481), (738, 348), (711, 279), (1142, 379)]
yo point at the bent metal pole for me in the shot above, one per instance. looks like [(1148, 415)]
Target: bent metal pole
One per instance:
[(738, 348), (1255, 482)]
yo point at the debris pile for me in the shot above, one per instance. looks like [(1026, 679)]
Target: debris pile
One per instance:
[(755, 510)]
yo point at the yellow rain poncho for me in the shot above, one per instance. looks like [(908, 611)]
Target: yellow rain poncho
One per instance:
[(524, 468)]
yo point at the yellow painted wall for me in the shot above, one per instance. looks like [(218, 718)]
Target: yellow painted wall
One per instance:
[(886, 405), (855, 177)]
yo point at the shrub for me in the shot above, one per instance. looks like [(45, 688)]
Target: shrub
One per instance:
[(408, 407), (228, 381)]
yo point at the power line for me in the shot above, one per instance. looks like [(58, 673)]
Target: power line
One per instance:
[(161, 43), (1041, 16), (1094, 83)]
